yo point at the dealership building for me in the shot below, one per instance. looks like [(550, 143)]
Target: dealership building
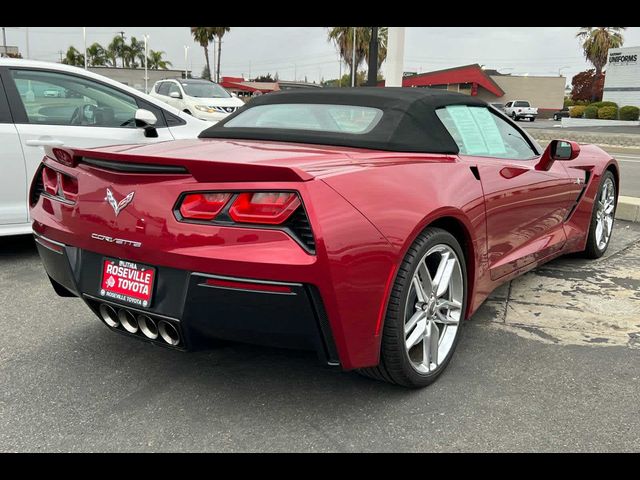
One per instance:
[(622, 80), (544, 92)]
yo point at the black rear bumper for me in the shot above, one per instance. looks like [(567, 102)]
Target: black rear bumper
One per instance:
[(202, 305)]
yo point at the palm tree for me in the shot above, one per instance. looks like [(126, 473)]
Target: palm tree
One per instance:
[(219, 32), (115, 50), (73, 57), (134, 52), (97, 55), (155, 61), (383, 35), (343, 39), (596, 42), (203, 35)]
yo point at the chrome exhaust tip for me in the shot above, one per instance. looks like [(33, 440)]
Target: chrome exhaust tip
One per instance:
[(168, 333), (148, 327), (109, 315), (128, 320)]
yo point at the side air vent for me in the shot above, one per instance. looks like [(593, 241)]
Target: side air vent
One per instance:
[(299, 225), (127, 167), (37, 187)]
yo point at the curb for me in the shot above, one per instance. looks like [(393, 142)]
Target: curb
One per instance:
[(628, 209)]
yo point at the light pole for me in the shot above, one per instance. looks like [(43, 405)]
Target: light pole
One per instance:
[(146, 60), (560, 70), (27, 33), (4, 41), (372, 81), (353, 60), (84, 37), (186, 53)]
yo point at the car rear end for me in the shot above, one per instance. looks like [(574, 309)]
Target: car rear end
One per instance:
[(176, 250)]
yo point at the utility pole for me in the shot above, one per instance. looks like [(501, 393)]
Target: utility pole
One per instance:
[(373, 58), (61, 53), (121, 34), (4, 40), (339, 70), (186, 56), (295, 72), (84, 37), (212, 75), (353, 60), (27, 33), (146, 59)]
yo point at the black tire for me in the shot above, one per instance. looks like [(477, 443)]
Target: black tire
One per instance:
[(592, 250), (514, 117), (555, 117), (394, 366), (532, 119)]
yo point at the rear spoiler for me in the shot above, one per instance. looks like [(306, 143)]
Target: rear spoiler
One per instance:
[(201, 170)]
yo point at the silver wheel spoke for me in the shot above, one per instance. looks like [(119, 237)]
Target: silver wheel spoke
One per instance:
[(417, 335), (443, 275), (430, 346), (425, 279), (408, 327)]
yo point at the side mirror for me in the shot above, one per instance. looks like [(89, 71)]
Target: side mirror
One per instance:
[(562, 150), (175, 95), (146, 120)]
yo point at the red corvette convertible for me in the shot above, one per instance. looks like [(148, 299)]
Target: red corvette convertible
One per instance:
[(365, 224)]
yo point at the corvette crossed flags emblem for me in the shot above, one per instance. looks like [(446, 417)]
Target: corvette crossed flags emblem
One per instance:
[(118, 206)]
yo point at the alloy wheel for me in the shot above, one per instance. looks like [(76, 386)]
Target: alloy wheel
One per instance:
[(605, 207), (433, 308)]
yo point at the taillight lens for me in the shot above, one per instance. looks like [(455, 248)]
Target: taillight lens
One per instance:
[(69, 187), (50, 180), (203, 206), (271, 208)]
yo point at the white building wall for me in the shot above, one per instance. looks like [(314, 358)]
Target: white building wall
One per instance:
[(622, 80)]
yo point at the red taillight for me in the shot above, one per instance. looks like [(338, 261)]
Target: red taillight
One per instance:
[(50, 180), (203, 206), (271, 208), (69, 187)]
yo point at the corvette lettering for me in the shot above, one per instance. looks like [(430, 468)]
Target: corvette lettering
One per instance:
[(117, 241)]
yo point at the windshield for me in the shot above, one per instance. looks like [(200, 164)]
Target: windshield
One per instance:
[(306, 116), (205, 90)]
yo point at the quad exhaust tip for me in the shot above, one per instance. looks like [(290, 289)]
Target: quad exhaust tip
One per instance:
[(139, 324), (168, 333), (148, 327), (128, 321), (109, 315)]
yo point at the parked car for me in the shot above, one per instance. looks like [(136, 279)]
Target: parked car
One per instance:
[(201, 98), (364, 224), (87, 110), (518, 109), (561, 114)]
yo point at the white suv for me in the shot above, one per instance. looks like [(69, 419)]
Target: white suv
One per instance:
[(201, 98)]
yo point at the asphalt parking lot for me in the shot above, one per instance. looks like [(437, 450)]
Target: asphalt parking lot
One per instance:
[(551, 362)]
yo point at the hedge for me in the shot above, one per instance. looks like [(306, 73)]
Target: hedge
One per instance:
[(591, 112), (604, 104), (577, 111), (629, 113), (608, 113)]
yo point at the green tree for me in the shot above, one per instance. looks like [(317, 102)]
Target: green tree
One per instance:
[(73, 57), (342, 37), (219, 32), (134, 53), (204, 36), (115, 50), (155, 61), (596, 42), (96, 55)]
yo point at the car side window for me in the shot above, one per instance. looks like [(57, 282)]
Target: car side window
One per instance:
[(479, 132), (173, 88), (508, 105), (52, 98), (163, 89)]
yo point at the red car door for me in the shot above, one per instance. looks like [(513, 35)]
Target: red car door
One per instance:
[(525, 207)]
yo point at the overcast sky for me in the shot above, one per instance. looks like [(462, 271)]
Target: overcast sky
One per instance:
[(305, 51)]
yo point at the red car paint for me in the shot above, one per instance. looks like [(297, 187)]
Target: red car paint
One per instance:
[(365, 208)]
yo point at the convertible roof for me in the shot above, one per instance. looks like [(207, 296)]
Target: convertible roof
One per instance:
[(408, 124)]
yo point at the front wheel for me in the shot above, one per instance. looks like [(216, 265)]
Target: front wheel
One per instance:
[(602, 218), (424, 313), (532, 119), (556, 118), (513, 116)]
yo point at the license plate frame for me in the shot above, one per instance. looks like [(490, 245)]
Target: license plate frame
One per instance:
[(135, 289)]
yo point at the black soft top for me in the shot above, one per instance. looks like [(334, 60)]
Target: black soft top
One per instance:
[(408, 124)]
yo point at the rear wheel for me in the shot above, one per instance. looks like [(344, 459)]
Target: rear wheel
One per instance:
[(425, 312), (602, 218), (556, 117)]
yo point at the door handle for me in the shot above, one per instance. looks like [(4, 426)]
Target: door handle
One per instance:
[(44, 143)]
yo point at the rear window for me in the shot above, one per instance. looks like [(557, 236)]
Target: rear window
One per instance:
[(306, 116), (521, 104)]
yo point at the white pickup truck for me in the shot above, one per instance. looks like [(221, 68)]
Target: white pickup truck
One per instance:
[(518, 109)]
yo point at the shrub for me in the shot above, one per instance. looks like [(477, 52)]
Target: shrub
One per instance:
[(568, 102), (604, 104), (629, 113), (577, 111), (591, 112), (608, 113)]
